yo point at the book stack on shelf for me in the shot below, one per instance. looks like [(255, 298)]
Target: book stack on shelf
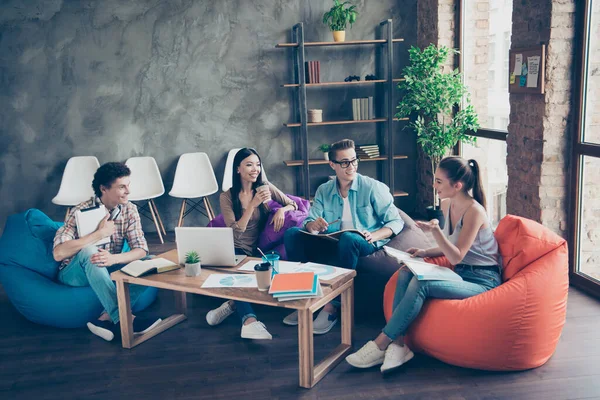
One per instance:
[(362, 108), (367, 151), (313, 71)]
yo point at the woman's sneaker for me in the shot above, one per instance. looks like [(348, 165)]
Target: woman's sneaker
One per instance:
[(368, 356), (218, 315), (104, 329), (291, 319), (255, 330), (395, 356), (324, 322)]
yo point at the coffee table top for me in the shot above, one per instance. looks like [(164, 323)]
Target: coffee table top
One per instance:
[(176, 280)]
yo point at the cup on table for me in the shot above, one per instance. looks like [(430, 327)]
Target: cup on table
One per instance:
[(272, 259), (263, 276), (264, 188)]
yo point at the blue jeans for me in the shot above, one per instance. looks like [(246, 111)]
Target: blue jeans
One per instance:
[(345, 253), (82, 272), (243, 308), (411, 293)]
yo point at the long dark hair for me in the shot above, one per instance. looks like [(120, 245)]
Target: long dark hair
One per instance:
[(467, 172), (236, 181)]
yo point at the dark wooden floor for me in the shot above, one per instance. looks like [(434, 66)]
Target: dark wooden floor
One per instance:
[(194, 360)]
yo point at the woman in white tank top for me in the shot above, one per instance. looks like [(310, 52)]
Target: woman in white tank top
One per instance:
[(467, 241)]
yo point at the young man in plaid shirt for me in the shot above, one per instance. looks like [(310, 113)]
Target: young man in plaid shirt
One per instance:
[(84, 264)]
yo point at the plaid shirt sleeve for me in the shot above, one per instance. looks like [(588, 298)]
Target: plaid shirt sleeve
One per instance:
[(68, 231), (135, 234)]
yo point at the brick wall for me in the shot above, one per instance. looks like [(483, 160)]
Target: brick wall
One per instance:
[(539, 129)]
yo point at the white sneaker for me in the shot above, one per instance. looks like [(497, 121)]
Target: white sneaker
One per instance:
[(218, 315), (395, 356), (291, 319), (368, 356), (255, 330), (324, 322)]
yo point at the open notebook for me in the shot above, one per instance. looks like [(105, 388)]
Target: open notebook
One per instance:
[(154, 265), (422, 270)]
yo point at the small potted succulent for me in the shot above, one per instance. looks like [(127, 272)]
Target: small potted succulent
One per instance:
[(338, 17), (325, 149), (192, 263)]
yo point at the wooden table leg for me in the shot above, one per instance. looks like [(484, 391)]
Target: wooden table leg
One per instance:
[(125, 316), (347, 315), (181, 303), (306, 348)]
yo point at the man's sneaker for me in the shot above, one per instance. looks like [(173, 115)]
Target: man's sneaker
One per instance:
[(324, 322), (291, 319), (104, 329), (218, 315), (368, 356), (255, 330), (395, 356), (142, 325)]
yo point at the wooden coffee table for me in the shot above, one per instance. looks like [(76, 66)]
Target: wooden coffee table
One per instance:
[(176, 280)]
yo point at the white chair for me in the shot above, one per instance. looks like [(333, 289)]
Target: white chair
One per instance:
[(76, 183), (194, 178), (146, 185), (229, 169)]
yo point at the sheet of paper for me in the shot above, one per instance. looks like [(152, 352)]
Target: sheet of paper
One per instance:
[(518, 64), (325, 272), (533, 70), (230, 281), (399, 254), (249, 265)]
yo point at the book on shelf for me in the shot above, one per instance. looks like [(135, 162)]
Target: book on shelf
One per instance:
[(364, 109), (355, 114), (368, 146), (154, 265), (370, 105), (318, 71), (312, 70), (422, 270), (362, 154), (333, 236)]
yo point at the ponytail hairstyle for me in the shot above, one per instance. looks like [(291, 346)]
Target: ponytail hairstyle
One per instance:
[(458, 169), (236, 181)]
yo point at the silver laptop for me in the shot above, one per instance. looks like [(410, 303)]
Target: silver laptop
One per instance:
[(214, 245)]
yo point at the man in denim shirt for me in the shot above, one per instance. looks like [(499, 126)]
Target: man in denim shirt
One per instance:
[(351, 201)]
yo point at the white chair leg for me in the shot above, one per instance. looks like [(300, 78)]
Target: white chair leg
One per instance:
[(155, 222)]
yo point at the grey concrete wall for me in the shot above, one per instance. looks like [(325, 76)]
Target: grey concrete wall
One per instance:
[(117, 79)]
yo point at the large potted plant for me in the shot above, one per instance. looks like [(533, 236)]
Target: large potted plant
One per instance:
[(433, 99), (338, 17)]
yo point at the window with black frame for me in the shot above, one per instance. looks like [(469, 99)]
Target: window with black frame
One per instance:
[(486, 27)]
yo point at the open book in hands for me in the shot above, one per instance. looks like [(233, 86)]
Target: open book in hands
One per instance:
[(421, 269), (334, 236), (154, 265)]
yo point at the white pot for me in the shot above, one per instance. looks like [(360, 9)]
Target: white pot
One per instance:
[(192, 269), (326, 156)]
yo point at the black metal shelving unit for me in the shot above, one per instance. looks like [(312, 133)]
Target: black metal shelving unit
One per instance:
[(298, 46)]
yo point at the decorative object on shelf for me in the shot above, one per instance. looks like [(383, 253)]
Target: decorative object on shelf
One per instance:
[(362, 109), (192, 264), (352, 78), (338, 17), (325, 149), (315, 115), (312, 69), (430, 95), (370, 77), (367, 151)]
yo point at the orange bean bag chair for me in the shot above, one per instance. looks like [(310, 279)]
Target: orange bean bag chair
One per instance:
[(515, 326)]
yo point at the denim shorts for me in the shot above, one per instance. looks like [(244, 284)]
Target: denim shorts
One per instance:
[(487, 275)]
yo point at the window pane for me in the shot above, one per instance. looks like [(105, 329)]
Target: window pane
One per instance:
[(486, 41), (589, 232), (591, 131), (491, 157)]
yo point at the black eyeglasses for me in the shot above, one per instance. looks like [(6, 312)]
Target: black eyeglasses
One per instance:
[(346, 164)]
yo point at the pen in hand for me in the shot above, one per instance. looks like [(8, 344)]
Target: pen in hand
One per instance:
[(333, 222)]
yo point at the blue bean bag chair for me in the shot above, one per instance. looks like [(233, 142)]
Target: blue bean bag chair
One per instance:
[(28, 274)]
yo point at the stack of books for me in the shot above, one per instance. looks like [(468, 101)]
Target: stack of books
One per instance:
[(367, 151), (312, 71), (362, 108), (295, 286)]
